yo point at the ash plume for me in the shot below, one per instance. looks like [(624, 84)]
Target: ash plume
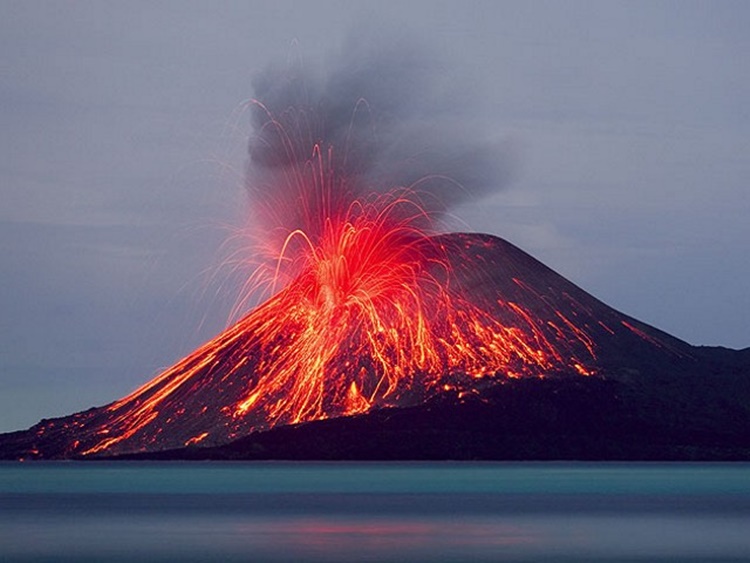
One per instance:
[(388, 114)]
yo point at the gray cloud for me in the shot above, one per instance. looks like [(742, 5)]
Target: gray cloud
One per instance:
[(394, 114)]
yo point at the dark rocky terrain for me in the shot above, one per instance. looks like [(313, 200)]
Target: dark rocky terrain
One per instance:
[(650, 396)]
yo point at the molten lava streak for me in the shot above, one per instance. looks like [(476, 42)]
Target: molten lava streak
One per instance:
[(378, 312)]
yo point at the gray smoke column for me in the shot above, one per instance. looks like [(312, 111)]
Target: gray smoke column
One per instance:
[(388, 114), (389, 130)]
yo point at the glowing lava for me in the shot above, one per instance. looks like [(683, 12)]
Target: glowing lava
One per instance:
[(375, 310)]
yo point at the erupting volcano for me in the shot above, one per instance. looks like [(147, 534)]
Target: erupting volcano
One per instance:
[(367, 306)]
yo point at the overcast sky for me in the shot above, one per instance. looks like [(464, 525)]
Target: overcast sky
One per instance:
[(122, 142)]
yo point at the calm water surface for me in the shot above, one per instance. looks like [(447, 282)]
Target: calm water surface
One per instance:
[(374, 512)]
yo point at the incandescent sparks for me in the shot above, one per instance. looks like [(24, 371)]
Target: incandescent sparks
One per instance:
[(379, 312), (364, 304)]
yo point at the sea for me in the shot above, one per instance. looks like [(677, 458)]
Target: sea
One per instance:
[(348, 512)]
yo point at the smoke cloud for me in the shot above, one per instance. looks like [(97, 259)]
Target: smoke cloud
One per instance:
[(387, 114)]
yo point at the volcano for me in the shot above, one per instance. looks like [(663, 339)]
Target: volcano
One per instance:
[(496, 357), (378, 335)]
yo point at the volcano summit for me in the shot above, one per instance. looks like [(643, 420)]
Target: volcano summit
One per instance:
[(530, 353), (430, 344)]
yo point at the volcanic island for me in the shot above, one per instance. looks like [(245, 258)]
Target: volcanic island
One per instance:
[(533, 367), (382, 337)]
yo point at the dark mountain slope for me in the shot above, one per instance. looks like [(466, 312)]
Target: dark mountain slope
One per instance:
[(609, 387)]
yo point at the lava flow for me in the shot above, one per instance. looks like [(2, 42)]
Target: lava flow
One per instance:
[(373, 321), (369, 308), (380, 313), (354, 299)]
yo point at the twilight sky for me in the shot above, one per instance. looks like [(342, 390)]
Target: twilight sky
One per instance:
[(122, 144)]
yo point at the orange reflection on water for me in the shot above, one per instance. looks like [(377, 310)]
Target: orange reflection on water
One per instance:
[(408, 536)]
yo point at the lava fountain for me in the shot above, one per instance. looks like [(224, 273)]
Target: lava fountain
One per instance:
[(367, 305), (376, 314)]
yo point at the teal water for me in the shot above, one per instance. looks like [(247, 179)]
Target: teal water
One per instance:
[(374, 512)]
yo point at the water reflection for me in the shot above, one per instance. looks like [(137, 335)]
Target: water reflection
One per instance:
[(308, 512), (196, 538), (331, 538)]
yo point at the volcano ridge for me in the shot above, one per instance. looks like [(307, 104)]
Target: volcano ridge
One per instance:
[(648, 395)]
